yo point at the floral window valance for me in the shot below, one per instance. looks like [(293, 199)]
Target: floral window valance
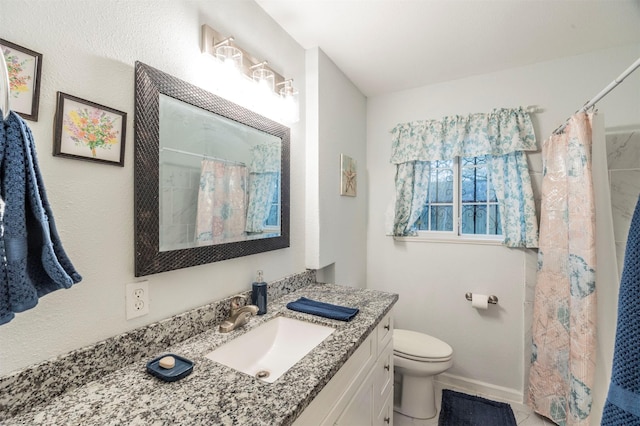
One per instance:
[(503, 134), (500, 132), (265, 157)]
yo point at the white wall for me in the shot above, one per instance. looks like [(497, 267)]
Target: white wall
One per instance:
[(432, 278), (89, 50), (336, 227)]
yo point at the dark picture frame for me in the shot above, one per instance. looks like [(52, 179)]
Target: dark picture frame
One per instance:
[(25, 69), (85, 130)]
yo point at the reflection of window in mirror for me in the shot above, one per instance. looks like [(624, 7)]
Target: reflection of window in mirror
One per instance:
[(263, 186), (272, 223)]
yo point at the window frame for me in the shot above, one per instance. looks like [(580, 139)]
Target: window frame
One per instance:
[(456, 235)]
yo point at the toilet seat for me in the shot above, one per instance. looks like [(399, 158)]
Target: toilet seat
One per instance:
[(420, 347)]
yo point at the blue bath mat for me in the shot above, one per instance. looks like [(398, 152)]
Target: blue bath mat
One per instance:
[(460, 409)]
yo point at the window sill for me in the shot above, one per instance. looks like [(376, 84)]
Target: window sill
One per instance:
[(450, 240)]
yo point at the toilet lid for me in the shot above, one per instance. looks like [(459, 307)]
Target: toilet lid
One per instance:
[(414, 345)]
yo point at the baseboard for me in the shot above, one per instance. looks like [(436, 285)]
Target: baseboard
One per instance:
[(476, 387)]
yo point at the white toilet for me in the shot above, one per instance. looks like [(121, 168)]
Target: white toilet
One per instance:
[(418, 357)]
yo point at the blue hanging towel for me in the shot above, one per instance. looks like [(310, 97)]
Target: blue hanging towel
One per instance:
[(623, 401), (33, 262)]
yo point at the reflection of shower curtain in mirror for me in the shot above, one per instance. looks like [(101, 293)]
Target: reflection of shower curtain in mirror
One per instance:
[(221, 202)]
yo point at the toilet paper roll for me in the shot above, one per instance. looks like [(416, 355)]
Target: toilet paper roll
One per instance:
[(480, 301)]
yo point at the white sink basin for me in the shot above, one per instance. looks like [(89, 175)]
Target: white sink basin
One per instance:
[(269, 350)]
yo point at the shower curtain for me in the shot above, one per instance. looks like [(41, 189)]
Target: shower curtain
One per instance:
[(564, 316), (221, 213)]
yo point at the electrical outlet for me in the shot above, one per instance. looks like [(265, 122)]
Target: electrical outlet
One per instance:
[(137, 299)]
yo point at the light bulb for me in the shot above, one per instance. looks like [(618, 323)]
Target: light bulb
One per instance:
[(265, 79), (230, 56), (290, 112)]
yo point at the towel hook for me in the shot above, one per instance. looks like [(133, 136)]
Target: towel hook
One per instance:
[(4, 76)]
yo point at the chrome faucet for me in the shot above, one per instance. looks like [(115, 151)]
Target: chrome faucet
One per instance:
[(240, 314)]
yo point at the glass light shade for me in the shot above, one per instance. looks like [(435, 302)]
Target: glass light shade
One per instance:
[(230, 56), (287, 89), (265, 78), (290, 112)]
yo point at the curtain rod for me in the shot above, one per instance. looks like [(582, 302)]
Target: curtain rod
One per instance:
[(602, 93), (194, 154)]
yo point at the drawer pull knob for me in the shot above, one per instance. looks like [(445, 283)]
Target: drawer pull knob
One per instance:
[(386, 367), (387, 327), (387, 420)]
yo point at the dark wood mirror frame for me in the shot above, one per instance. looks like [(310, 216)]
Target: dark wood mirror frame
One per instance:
[(149, 84)]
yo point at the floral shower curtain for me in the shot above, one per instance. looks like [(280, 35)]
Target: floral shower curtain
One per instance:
[(221, 202), (502, 136), (564, 317)]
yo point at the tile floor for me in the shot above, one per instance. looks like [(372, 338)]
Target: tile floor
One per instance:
[(524, 415)]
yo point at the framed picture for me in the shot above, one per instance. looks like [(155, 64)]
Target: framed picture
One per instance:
[(25, 68), (348, 183), (85, 130)]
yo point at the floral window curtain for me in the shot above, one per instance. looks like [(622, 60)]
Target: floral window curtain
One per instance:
[(503, 134), (264, 171)]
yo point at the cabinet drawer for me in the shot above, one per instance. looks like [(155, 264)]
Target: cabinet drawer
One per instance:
[(384, 331), (383, 376)]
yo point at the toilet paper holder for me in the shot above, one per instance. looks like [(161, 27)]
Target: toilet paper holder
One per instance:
[(492, 299)]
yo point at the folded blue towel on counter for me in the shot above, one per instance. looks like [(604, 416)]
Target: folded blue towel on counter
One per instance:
[(322, 309)]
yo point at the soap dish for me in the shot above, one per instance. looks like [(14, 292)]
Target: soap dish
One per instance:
[(182, 368)]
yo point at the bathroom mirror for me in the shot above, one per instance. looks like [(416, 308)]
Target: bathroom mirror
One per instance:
[(211, 177)]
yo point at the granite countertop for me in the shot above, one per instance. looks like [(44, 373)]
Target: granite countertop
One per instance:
[(213, 393)]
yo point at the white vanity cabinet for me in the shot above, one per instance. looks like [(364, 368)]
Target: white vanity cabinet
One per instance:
[(361, 392)]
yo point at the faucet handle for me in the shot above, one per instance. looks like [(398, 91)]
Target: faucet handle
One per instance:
[(235, 301)]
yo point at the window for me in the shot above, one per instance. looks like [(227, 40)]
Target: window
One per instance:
[(460, 199), (456, 199), (273, 218)]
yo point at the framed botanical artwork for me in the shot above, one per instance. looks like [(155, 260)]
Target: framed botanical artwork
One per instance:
[(348, 183), (25, 68), (85, 130)]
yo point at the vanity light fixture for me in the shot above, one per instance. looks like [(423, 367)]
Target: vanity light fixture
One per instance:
[(290, 98), (263, 76), (269, 92), (229, 55)]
